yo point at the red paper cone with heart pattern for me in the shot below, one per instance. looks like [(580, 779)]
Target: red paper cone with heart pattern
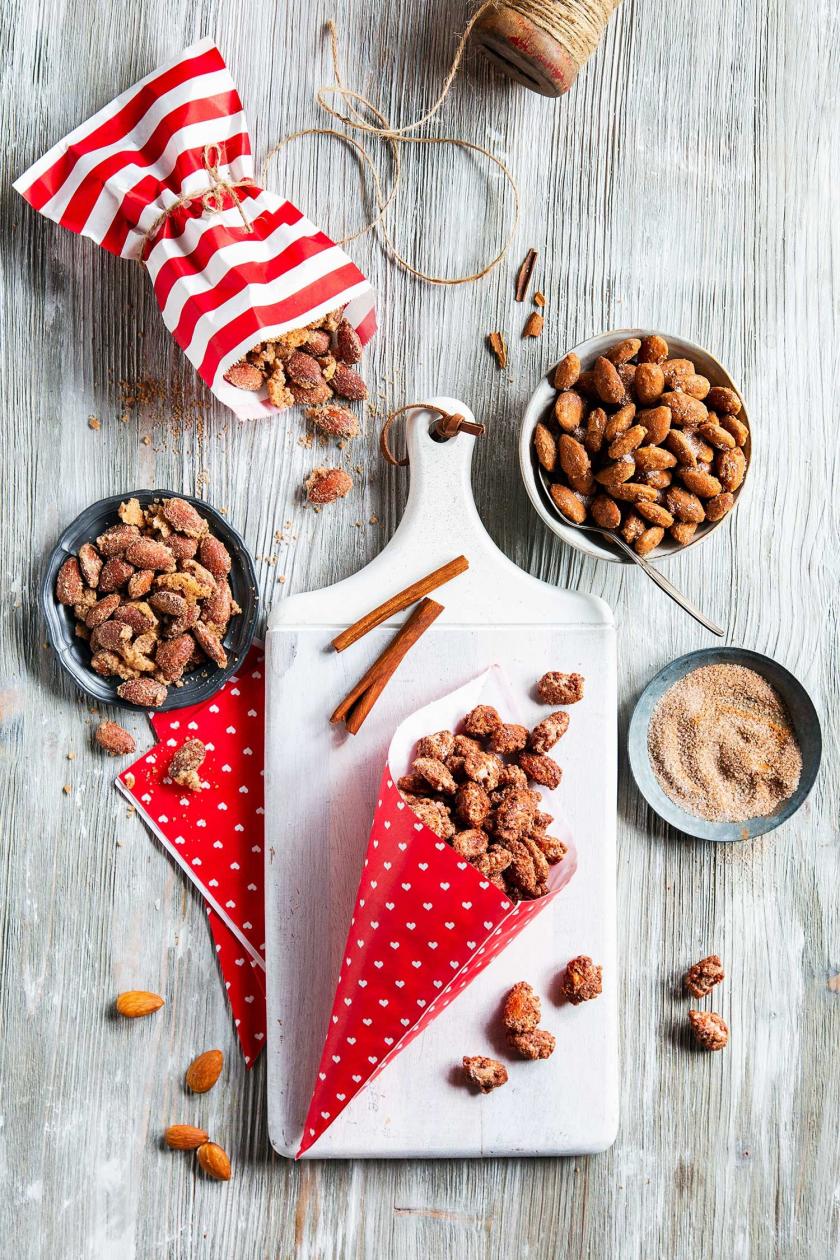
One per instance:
[(424, 925)]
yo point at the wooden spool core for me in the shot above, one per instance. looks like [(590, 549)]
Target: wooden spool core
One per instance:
[(525, 52)]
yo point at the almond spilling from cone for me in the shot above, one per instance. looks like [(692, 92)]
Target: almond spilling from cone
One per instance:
[(136, 1003), (214, 1161), (204, 1071), (641, 443), (184, 1137)]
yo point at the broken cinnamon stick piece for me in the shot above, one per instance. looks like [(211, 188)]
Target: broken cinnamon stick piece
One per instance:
[(496, 342), (523, 278), (403, 599), (533, 325), (357, 704)]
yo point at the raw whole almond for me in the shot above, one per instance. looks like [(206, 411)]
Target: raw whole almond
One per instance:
[(567, 372), (136, 1003), (204, 1071), (184, 1137), (214, 1161), (608, 384)]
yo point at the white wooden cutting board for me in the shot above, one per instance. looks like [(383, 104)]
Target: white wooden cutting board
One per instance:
[(320, 790)]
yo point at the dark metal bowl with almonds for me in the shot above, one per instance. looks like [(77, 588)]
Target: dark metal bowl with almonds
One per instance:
[(639, 433), (150, 600)]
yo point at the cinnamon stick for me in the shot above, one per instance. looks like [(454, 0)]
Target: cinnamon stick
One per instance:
[(403, 599), (358, 702), (523, 276)]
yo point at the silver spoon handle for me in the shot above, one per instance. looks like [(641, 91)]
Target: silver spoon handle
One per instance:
[(668, 587)]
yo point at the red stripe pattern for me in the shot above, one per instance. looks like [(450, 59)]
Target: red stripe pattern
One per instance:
[(220, 286)]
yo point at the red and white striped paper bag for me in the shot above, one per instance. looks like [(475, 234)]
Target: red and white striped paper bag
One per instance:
[(234, 266), (425, 923)]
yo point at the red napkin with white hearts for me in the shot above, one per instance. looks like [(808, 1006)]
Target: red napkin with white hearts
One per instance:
[(425, 923), (216, 835)]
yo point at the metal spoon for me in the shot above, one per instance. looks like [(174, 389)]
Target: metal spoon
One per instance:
[(654, 574)]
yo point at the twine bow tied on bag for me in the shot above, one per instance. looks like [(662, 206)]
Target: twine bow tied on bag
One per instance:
[(214, 198)]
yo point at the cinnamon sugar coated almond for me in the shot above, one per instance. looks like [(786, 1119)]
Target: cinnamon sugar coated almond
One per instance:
[(722, 746)]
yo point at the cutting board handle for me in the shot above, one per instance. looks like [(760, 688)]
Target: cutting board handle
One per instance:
[(440, 499)]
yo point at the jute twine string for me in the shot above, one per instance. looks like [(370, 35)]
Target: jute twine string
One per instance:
[(577, 25), (213, 198)]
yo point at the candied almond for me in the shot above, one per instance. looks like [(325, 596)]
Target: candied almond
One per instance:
[(545, 447), (149, 553), (731, 467), (185, 763), (210, 644), (703, 484), (436, 774), (649, 540), (472, 804), (90, 563), (334, 420), (515, 814), (724, 400), (522, 1009), (348, 384), (115, 573), (482, 720), (649, 383), (115, 739), (702, 977), (568, 410), (439, 745), (653, 349), (172, 657), (558, 688), (553, 848), (605, 512), (117, 539), (483, 768), (508, 738), (143, 691), (471, 843), (709, 1029), (547, 732), (567, 372), (69, 586), (245, 376), (581, 979), (140, 583), (214, 555), (325, 485), (608, 384), (683, 505), (719, 505), (348, 346), (569, 503), (102, 610), (434, 814), (317, 343), (541, 769), (184, 518), (536, 1044), (486, 1074)]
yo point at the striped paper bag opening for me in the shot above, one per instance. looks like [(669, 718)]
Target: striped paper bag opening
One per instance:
[(164, 174)]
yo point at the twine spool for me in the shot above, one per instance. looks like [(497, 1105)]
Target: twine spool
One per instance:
[(542, 43)]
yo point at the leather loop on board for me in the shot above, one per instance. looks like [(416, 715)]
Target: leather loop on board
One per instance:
[(445, 427)]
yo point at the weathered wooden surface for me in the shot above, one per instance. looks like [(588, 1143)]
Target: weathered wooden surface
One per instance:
[(687, 182)]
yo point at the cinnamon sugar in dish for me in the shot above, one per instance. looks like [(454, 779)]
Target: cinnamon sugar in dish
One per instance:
[(722, 746)]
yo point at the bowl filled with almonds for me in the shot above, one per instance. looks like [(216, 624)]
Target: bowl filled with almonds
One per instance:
[(638, 433), (150, 600)]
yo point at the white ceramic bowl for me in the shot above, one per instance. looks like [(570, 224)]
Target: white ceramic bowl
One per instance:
[(539, 408)]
